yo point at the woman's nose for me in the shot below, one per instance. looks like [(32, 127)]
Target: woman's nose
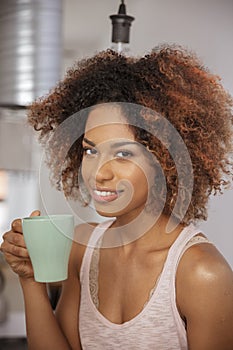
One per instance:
[(104, 172)]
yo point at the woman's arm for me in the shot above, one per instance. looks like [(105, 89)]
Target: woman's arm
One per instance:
[(59, 330), (44, 330), (67, 310), (205, 298)]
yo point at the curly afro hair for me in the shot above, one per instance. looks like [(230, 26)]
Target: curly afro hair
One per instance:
[(170, 81)]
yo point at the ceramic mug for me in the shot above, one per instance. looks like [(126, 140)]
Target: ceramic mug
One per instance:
[(49, 240)]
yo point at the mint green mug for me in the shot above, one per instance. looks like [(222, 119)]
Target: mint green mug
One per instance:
[(49, 240)]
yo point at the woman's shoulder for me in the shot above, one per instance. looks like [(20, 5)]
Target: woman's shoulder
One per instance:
[(203, 274), (204, 297), (202, 258)]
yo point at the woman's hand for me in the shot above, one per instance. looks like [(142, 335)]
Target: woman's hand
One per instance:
[(15, 251)]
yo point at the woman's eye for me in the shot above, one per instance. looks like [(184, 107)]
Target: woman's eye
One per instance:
[(124, 154), (89, 151)]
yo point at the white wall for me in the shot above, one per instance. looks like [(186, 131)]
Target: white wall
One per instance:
[(205, 26)]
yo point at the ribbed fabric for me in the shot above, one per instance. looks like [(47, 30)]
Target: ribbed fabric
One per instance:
[(158, 326)]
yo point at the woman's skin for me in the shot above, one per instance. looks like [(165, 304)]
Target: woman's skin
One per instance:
[(204, 281)]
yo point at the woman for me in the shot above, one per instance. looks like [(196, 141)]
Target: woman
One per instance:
[(148, 141)]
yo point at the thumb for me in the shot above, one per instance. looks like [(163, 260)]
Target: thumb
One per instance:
[(35, 213)]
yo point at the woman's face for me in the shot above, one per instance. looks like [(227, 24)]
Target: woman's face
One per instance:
[(115, 168)]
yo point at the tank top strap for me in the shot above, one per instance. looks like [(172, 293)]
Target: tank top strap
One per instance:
[(175, 253), (167, 281), (93, 243), (181, 244)]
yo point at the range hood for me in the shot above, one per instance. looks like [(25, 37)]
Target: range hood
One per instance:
[(30, 49), (30, 65)]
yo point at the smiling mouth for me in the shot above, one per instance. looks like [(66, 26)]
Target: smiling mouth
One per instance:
[(105, 196)]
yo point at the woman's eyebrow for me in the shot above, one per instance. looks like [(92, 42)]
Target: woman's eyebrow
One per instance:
[(89, 142), (123, 143), (113, 145)]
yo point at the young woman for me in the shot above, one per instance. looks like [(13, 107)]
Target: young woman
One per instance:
[(148, 141)]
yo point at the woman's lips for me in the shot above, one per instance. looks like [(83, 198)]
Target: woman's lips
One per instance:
[(105, 196)]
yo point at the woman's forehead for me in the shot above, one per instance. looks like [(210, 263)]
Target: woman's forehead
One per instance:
[(105, 114), (109, 133), (107, 122)]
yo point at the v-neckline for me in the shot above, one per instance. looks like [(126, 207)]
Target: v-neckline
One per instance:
[(155, 288)]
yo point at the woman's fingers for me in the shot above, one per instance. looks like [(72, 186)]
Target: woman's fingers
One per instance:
[(15, 238), (21, 266), (13, 259), (16, 226), (15, 251), (35, 213), (13, 243), (16, 255)]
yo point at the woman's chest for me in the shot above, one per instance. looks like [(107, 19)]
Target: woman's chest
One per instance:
[(125, 285)]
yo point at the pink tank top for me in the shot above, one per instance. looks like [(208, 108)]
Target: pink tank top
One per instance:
[(158, 326)]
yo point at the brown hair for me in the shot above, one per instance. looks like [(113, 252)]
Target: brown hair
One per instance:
[(170, 81)]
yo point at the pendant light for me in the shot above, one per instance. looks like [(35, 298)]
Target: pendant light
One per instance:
[(121, 23)]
